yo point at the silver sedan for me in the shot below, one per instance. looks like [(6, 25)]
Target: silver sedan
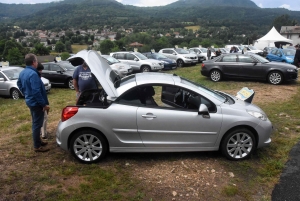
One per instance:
[(158, 112)]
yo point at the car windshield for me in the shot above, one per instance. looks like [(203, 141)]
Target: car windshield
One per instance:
[(110, 59), (204, 89), (140, 56), (260, 58), (159, 56), (13, 74), (181, 51), (289, 52), (67, 66)]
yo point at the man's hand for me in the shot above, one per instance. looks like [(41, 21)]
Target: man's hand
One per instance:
[(46, 108)]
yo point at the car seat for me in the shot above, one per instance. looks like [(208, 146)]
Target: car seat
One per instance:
[(146, 96)]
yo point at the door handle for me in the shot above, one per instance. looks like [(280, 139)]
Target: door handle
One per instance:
[(148, 116)]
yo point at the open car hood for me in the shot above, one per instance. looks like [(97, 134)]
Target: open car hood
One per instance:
[(99, 67)]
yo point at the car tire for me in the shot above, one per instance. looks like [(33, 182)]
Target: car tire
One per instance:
[(15, 94), (70, 83), (88, 146), (275, 77), (145, 69), (215, 75), (239, 144), (180, 63)]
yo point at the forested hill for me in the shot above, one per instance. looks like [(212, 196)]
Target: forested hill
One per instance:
[(240, 14), (211, 3)]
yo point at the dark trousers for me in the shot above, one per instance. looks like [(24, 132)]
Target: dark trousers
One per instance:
[(37, 115)]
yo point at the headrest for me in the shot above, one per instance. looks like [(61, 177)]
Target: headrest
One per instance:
[(149, 91)]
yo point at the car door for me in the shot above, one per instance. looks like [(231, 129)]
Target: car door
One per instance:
[(3, 85), (167, 126), (273, 55), (57, 74), (250, 68), (46, 72), (133, 61), (229, 65)]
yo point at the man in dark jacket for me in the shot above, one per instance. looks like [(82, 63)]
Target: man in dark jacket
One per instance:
[(32, 87), (297, 56)]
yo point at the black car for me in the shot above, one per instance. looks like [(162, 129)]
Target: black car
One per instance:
[(59, 73), (168, 63), (248, 66)]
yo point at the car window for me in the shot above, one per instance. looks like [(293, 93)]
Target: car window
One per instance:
[(2, 76), (46, 66), (273, 51), (119, 56), (130, 57), (55, 67), (13, 74), (168, 51), (229, 58), (245, 59)]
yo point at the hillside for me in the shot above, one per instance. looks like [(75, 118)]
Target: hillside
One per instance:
[(235, 14)]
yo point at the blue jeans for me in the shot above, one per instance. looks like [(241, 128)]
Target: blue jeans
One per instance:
[(37, 115)]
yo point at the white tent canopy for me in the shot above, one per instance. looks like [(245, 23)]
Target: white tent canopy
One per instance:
[(269, 39)]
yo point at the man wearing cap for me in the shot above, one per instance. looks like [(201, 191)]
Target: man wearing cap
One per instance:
[(297, 56), (83, 79)]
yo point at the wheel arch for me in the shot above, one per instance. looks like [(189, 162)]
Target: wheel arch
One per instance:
[(275, 70), (240, 127), (86, 128), (145, 65)]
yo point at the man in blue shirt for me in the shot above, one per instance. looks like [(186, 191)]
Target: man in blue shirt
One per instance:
[(32, 87), (83, 79)]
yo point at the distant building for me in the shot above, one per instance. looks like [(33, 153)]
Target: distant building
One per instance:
[(291, 32)]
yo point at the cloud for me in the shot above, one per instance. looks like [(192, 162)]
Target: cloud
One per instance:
[(285, 6), (146, 3), (260, 5)]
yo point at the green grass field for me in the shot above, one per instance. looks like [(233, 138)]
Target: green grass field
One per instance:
[(55, 175), (77, 48)]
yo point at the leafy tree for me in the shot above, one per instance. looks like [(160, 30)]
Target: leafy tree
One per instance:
[(64, 56), (68, 46), (106, 46), (59, 46), (283, 20), (15, 57), (40, 49), (194, 43)]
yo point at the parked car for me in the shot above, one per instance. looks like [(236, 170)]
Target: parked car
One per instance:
[(138, 61), (157, 112), (8, 82), (201, 53), (251, 49), (267, 50), (121, 69), (168, 63), (282, 55), (59, 73), (181, 56), (248, 66)]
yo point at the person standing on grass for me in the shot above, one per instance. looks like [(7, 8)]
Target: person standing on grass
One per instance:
[(44, 133), (297, 56), (208, 53), (32, 87), (83, 79)]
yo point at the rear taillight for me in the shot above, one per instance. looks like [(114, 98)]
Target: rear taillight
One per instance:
[(68, 112), (202, 65)]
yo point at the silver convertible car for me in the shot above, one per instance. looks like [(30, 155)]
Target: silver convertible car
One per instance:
[(157, 112)]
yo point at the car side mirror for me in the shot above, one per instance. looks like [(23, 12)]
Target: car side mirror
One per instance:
[(1, 79), (203, 110), (59, 71), (174, 53), (135, 59)]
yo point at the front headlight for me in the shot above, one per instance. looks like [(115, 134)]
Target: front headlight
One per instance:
[(258, 115), (289, 59), (165, 62), (290, 70), (155, 64), (187, 57)]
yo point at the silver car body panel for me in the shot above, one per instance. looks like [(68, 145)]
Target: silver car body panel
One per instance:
[(129, 128), (8, 84)]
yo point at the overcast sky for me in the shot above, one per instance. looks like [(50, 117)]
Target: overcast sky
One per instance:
[(288, 4)]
